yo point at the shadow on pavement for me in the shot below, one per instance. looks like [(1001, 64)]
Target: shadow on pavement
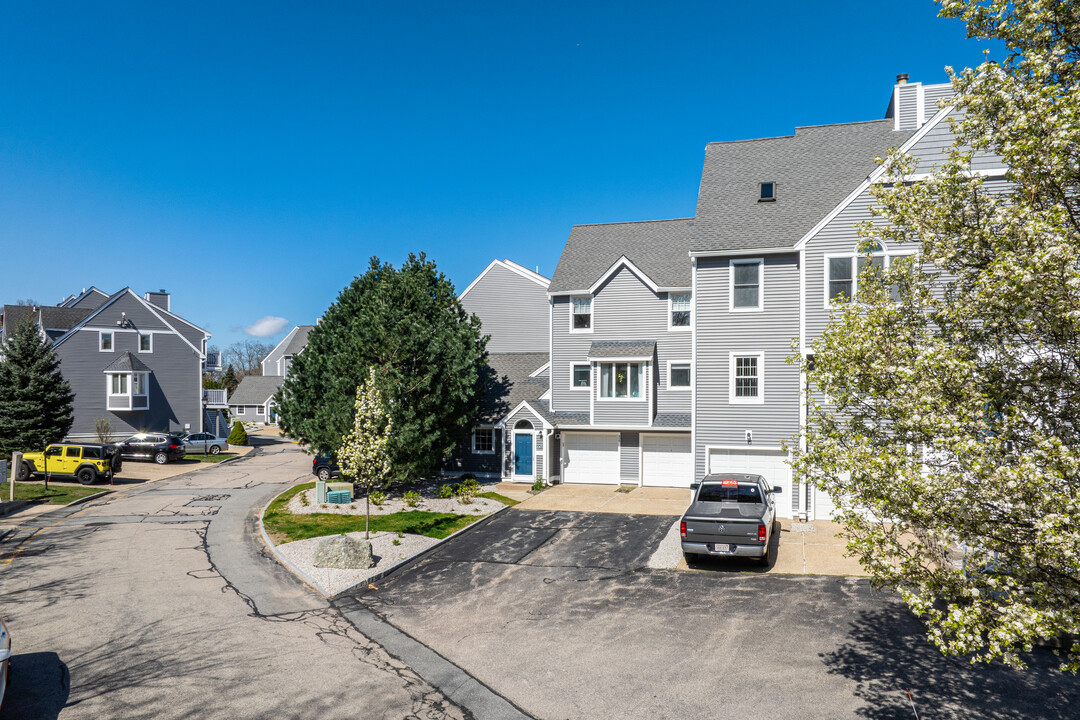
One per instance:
[(888, 652), (37, 687)]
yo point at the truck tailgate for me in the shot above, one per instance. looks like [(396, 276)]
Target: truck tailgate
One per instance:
[(721, 530)]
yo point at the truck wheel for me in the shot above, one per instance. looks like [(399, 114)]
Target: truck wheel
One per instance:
[(24, 472), (161, 458), (763, 561), (324, 474), (86, 476), (690, 559), (214, 449)]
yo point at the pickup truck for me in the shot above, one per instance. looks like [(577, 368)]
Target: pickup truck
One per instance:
[(731, 516), (83, 461)]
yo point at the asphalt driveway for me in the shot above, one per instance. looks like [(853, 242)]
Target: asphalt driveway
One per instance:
[(557, 612)]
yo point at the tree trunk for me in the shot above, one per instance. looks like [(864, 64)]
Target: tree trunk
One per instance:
[(367, 517)]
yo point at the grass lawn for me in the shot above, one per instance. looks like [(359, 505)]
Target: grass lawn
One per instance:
[(501, 498), (284, 526), (199, 457), (55, 495)]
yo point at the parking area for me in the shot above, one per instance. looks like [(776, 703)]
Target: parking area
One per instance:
[(558, 612)]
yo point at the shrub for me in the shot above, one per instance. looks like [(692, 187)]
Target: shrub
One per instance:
[(396, 541), (378, 497), (538, 485), (465, 491), (238, 435), (411, 498), (303, 499), (444, 492)]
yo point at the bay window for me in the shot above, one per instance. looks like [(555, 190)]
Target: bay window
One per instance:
[(620, 380)]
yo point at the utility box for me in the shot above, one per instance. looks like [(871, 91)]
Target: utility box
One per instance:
[(339, 497), (320, 492)]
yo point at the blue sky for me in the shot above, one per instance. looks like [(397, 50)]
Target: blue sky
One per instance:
[(251, 157)]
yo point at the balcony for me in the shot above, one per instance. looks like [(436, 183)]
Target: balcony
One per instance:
[(215, 399), (212, 363)]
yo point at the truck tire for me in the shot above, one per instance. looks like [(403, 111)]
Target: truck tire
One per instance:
[(86, 475), (24, 472), (161, 458)]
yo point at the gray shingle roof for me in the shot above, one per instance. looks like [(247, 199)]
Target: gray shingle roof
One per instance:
[(299, 340), (509, 384), (658, 248), (59, 318), (814, 170), (672, 420), (600, 349), (126, 363), (255, 389), (559, 418)]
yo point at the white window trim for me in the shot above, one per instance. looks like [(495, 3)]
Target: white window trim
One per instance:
[(101, 340), (148, 335), (645, 374), (854, 256), (671, 311), (240, 410), (592, 313), (585, 388), (130, 393), (483, 452), (760, 262), (760, 399), (260, 410), (673, 388)]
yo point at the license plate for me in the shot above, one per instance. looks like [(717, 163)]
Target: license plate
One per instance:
[(720, 548)]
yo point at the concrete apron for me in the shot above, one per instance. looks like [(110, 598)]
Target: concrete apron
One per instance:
[(609, 499)]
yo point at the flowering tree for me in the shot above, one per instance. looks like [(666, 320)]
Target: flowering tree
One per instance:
[(363, 454), (950, 438)]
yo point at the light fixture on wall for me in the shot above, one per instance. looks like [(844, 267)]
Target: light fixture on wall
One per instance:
[(123, 321)]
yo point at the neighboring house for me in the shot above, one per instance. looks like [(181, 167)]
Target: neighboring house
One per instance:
[(669, 339), (253, 399), (128, 358), (512, 304)]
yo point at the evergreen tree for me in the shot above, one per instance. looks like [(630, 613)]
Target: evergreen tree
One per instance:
[(238, 435), (229, 381), (35, 399), (409, 324)]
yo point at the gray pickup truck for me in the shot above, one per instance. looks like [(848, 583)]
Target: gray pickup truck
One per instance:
[(731, 516)]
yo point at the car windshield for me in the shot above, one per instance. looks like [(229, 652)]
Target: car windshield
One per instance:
[(749, 493)]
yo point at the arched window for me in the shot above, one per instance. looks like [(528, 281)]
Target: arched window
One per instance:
[(523, 425)]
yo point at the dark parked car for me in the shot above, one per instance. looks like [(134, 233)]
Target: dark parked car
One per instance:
[(325, 467), (730, 516), (159, 447)]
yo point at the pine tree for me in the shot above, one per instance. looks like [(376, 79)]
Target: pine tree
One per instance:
[(35, 399), (409, 324), (238, 435), (229, 381)]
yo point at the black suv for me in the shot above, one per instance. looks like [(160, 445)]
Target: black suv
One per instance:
[(159, 447), (325, 467)]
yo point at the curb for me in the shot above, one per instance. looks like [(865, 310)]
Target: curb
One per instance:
[(377, 576), (12, 506), (88, 498)]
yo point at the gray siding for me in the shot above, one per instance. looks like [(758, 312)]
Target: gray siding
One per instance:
[(624, 308), (908, 110), (524, 413), (271, 363), (629, 466), (513, 310), (930, 150), (91, 302), (720, 332), (931, 95)]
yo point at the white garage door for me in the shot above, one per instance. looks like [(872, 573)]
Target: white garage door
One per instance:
[(823, 505), (666, 460), (770, 464), (591, 458)]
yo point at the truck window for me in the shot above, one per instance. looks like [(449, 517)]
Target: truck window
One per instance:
[(54, 451), (730, 493), (74, 452), (92, 452)]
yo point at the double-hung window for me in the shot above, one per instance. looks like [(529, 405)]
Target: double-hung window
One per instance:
[(747, 382), (842, 274), (105, 341), (680, 311), (746, 290), (484, 441), (581, 376), (146, 343), (679, 376), (620, 380), (581, 318)]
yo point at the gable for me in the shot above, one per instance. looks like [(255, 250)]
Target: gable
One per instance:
[(513, 310)]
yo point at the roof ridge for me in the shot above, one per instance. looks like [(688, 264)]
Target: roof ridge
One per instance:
[(633, 222), (797, 129)]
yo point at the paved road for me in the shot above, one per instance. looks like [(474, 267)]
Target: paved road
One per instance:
[(556, 611), (160, 602)]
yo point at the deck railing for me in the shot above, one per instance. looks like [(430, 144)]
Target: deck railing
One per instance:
[(215, 397)]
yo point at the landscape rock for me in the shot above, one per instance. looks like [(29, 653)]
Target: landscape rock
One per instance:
[(343, 553)]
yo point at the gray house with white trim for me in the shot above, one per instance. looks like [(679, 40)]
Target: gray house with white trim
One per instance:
[(253, 399), (129, 359), (670, 338)]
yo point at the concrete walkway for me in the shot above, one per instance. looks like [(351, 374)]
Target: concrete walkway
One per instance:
[(607, 499)]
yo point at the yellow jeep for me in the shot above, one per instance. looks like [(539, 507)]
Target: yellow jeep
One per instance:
[(82, 461)]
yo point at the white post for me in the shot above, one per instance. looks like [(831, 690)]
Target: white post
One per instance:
[(16, 463)]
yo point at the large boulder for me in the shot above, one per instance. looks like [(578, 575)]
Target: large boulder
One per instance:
[(344, 553)]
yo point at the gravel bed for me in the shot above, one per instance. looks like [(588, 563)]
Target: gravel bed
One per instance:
[(669, 553), (479, 505), (332, 581)]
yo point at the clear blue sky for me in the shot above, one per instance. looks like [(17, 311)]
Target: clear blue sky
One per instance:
[(251, 157)]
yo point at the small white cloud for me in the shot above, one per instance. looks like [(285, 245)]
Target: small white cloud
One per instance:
[(266, 327)]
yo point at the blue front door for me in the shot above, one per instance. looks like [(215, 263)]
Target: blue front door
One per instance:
[(523, 453)]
